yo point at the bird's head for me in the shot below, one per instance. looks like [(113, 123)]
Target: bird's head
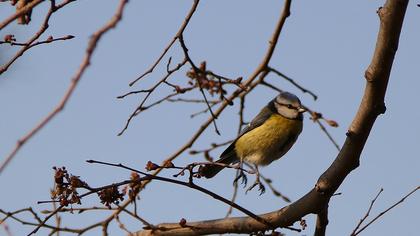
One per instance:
[(288, 105)]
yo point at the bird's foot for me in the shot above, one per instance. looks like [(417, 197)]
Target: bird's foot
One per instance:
[(241, 176), (261, 187)]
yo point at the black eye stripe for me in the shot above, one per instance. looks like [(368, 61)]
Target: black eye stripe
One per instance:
[(290, 106)]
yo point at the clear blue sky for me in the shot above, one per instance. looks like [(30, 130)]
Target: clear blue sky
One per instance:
[(325, 46)]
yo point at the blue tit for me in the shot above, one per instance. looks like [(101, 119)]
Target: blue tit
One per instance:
[(267, 138)]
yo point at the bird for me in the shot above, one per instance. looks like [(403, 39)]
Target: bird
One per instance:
[(265, 139)]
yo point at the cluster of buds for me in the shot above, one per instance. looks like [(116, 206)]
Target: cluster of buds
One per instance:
[(135, 186), (316, 116), (153, 166), (110, 195), (9, 38), (204, 79), (65, 187)]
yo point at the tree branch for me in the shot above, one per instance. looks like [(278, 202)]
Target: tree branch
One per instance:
[(321, 222), (316, 200), (354, 233), (74, 82), (260, 73), (44, 26), (19, 13)]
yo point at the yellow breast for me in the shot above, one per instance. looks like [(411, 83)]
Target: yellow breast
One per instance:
[(269, 141)]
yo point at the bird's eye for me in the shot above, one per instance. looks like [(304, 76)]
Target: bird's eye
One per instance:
[(289, 106)]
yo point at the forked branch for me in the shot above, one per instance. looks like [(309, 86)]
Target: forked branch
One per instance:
[(316, 200)]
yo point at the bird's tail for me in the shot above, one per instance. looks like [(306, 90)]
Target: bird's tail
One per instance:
[(209, 171)]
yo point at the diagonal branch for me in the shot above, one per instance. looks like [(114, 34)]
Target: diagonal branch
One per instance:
[(383, 212), (74, 82), (257, 76), (316, 200), (19, 13), (368, 212), (260, 73), (30, 43), (315, 116), (180, 31), (304, 90)]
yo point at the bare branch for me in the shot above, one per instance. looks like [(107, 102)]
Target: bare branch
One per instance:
[(13, 215), (368, 212), (30, 43), (304, 90), (383, 213), (180, 31), (148, 92), (49, 40), (241, 114), (74, 81), (19, 13), (315, 116), (321, 222), (316, 200), (188, 184), (250, 83)]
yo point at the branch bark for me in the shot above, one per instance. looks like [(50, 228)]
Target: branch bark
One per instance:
[(321, 222), (316, 200)]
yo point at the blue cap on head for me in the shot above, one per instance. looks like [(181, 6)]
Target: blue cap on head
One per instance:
[(288, 105)]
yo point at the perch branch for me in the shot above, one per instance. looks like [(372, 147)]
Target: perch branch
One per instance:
[(316, 200)]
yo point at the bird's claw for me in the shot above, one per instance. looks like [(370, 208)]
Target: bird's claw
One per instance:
[(242, 176), (261, 187)]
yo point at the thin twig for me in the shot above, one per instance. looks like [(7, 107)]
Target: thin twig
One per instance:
[(180, 31), (122, 226), (213, 146), (67, 37), (140, 107), (188, 184), (385, 211), (204, 110), (74, 82), (19, 13), (44, 26), (42, 223), (241, 114), (316, 116), (57, 218), (150, 90), (197, 71), (193, 100), (328, 135), (234, 195), (260, 72), (304, 90), (39, 221), (377, 75), (368, 211), (95, 208)]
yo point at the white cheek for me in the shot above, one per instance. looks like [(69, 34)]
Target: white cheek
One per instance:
[(288, 113)]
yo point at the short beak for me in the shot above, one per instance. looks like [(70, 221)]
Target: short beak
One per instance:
[(301, 109)]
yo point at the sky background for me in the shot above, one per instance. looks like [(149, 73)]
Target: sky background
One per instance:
[(325, 46)]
